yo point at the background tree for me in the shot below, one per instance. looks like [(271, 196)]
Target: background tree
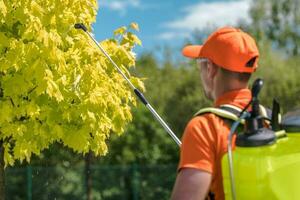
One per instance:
[(281, 77), (275, 25), (279, 21), (55, 87)]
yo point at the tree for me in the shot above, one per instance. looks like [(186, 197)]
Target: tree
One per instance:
[(281, 78), (145, 141), (275, 25), (279, 21), (54, 86)]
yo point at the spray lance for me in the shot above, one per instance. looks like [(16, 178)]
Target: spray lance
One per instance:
[(140, 95)]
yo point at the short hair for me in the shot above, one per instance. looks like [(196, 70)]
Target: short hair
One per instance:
[(241, 76)]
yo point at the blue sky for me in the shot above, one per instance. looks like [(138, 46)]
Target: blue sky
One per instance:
[(167, 22)]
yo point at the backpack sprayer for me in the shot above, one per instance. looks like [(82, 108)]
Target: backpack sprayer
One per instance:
[(255, 132), (266, 162), (136, 91)]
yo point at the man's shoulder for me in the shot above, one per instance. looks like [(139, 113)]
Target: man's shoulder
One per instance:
[(204, 124), (204, 120)]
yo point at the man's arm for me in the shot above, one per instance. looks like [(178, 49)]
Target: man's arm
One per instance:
[(191, 184)]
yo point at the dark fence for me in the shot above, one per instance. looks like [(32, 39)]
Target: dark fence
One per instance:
[(99, 182)]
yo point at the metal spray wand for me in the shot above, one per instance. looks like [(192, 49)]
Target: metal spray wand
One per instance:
[(136, 91)]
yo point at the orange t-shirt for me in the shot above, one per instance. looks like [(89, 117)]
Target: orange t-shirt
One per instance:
[(204, 141)]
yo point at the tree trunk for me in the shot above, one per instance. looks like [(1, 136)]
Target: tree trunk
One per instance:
[(88, 177), (2, 175)]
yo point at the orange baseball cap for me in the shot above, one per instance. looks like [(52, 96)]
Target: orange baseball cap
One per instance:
[(229, 48)]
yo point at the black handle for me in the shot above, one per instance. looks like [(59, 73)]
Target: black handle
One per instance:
[(80, 26), (257, 85), (140, 96), (275, 116)]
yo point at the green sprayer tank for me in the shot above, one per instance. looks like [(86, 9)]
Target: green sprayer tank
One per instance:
[(267, 172), (265, 163)]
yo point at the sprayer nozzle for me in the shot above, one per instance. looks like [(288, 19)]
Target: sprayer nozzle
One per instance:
[(80, 26)]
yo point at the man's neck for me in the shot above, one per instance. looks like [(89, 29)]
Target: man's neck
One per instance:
[(227, 88)]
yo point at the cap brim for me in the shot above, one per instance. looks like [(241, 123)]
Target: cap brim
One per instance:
[(192, 51)]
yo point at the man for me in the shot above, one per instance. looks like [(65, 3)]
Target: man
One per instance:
[(226, 61)]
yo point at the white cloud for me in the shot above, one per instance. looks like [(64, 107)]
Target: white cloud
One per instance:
[(120, 5), (203, 15), (171, 35)]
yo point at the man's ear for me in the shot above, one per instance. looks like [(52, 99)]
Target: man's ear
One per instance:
[(212, 70)]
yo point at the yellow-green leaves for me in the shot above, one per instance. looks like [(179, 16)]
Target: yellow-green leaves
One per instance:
[(134, 26), (55, 86), (3, 10), (120, 31), (126, 38)]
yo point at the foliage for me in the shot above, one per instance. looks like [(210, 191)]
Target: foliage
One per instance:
[(145, 141), (55, 87), (275, 25), (113, 182), (279, 21), (281, 78), (174, 90)]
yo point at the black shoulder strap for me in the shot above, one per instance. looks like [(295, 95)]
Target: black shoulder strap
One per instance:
[(232, 109), (225, 111)]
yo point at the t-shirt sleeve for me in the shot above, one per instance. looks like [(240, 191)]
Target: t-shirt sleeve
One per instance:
[(197, 149)]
